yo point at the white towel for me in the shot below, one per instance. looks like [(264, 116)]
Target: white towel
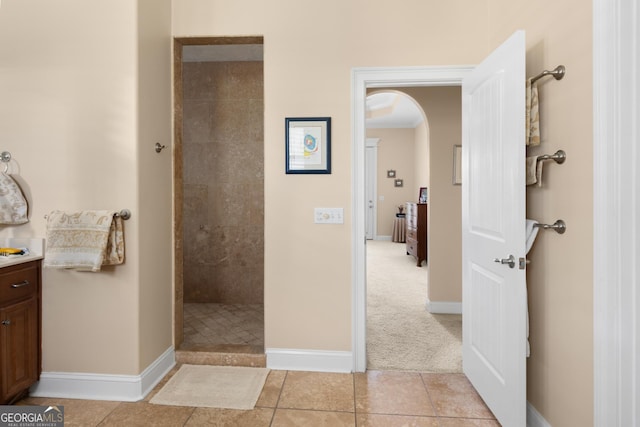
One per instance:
[(13, 205), (84, 240), (531, 231)]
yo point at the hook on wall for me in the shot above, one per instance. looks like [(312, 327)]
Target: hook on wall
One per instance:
[(159, 147)]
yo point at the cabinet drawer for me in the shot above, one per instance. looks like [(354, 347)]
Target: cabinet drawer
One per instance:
[(18, 282), (412, 246), (411, 233)]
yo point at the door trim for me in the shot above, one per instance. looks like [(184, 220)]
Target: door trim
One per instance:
[(372, 143), (361, 80), (616, 226)]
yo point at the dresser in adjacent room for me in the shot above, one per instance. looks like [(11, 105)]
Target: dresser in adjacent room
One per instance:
[(417, 231)]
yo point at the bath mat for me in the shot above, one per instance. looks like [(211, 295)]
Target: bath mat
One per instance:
[(229, 387)]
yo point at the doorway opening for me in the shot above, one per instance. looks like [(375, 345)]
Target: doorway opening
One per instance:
[(363, 80), (403, 331), (218, 202)]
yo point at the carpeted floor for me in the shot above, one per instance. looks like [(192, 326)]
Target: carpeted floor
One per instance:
[(401, 333)]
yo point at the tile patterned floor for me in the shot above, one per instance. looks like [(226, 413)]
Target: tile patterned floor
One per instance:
[(221, 324), (296, 398)]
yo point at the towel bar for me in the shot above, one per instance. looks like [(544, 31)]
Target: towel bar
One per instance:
[(559, 226), (557, 73), (559, 157), (5, 157), (124, 214)]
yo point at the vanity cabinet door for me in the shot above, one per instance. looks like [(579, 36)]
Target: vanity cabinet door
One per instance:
[(18, 351)]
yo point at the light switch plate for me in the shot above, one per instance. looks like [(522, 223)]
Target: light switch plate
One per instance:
[(328, 215)]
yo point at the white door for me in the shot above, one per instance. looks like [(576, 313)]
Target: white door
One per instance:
[(493, 229), (371, 167)]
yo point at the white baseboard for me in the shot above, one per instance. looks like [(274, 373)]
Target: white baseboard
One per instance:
[(385, 238), (309, 360), (126, 388), (443, 307), (534, 419)]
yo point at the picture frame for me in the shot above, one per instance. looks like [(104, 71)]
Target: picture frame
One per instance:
[(398, 183), (391, 173), (457, 165), (308, 145), (422, 196)]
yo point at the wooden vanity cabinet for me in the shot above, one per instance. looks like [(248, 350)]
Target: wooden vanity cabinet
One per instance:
[(20, 329), (417, 231)]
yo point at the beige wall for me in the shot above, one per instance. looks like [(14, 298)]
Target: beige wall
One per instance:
[(559, 278), (422, 159), (443, 109), (309, 306), (71, 101), (81, 128), (444, 34), (396, 151)]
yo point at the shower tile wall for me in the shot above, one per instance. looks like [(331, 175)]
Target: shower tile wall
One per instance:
[(223, 216)]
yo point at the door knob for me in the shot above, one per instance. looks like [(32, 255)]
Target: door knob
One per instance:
[(6, 322), (511, 261)]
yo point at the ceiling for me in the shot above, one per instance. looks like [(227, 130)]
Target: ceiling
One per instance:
[(392, 110), (384, 109)]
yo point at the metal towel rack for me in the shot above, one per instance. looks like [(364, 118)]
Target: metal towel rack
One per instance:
[(559, 226), (559, 157), (557, 73), (5, 157), (124, 214)]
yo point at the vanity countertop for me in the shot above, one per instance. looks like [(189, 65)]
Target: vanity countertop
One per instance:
[(35, 246)]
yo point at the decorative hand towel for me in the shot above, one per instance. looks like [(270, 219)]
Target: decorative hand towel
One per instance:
[(84, 240), (13, 205), (530, 169), (532, 116)]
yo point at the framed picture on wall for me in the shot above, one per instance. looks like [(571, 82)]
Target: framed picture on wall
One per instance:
[(308, 145), (457, 165), (423, 195)]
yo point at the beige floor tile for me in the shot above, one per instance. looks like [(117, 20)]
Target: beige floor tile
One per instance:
[(146, 414), (259, 417), (392, 393), (297, 418), (271, 390), (467, 422), (377, 420), (454, 396), (77, 412), (317, 391)]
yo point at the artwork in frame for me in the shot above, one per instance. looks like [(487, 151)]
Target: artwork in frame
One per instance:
[(457, 165), (308, 145), (391, 173), (423, 195), (398, 183)]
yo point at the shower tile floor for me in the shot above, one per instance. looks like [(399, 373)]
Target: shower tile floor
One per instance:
[(223, 327)]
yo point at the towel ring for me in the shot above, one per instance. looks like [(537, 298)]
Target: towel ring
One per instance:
[(5, 157)]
